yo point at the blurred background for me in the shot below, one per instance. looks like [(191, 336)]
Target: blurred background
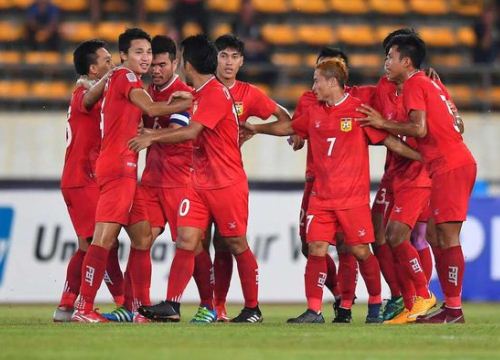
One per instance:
[(282, 39)]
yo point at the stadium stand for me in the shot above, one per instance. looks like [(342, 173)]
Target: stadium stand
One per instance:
[(295, 29)]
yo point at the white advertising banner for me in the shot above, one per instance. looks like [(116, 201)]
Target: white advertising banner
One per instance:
[(37, 240)]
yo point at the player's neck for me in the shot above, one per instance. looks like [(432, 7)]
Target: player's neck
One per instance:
[(125, 65), (229, 83), (336, 98), (166, 83), (409, 73), (200, 79)]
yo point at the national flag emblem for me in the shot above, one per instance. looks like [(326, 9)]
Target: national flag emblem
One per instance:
[(239, 108), (346, 124)]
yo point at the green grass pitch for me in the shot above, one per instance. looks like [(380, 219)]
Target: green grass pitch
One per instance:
[(26, 332)]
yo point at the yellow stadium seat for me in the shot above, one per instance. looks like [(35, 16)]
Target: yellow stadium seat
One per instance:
[(315, 35), (429, 7), (77, 31), (309, 6), (310, 60), (383, 30), (494, 95), (157, 5), (467, 7), (271, 6), (228, 6), (191, 28), (389, 7), (461, 94), (290, 93), (67, 58), (286, 59), (109, 31), (349, 6), (221, 29), (438, 36), (116, 6), (50, 90), (448, 60), (10, 31), (6, 4), (279, 34), (72, 5), (16, 89), (154, 28), (42, 58), (21, 4), (366, 60), (359, 35), (466, 36), (10, 57)]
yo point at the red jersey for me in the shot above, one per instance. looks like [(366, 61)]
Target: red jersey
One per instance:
[(216, 157), (249, 100), (340, 148), (168, 165), (119, 121), (442, 148), (399, 171), (83, 140)]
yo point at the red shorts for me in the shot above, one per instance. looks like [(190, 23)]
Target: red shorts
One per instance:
[(384, 200), (426, 214), (116, 198), (303, 208), (139, 210), (81, 203), (451, 192), (227, 207), (161, 205), (356, 224), (409, 204)]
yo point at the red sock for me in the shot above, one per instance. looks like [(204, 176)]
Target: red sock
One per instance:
[(315, 278), (438, 259), (223, 270), (249, 277), (407, 287), (114, 277), (128, 291), (370, 271), (348, 277), (140, 276), (426, 261), (453, 272), (181, 272), (203, 276), (388, 267), (408, 257), (73, 280), (331, 276), (93, 269)]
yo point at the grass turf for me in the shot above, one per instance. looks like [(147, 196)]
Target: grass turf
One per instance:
[(26, 332)]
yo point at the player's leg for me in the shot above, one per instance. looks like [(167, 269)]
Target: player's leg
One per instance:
[(204, 277), (113, 278), (419, 242), (347, 279), (223, 271)]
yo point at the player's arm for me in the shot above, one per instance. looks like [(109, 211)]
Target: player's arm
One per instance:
[(276, 128), (166, 136), (416, 126), (94, 93), (399, 147), (179, 103)]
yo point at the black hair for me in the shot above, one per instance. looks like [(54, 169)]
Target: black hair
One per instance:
[(402, 31), (201, 53), (163, 44), (85, 55), (125, 38), (329, 51), (410, 46), (230, 41)]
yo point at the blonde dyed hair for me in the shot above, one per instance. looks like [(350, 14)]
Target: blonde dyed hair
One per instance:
[(336, 68)]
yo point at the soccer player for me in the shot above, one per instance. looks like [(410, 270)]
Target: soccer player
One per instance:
[(451, 166), (123, 103), (219, 189), (249, 101), (92, 62), (340, 195)]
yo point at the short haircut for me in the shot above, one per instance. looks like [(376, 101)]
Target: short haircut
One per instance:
[(402, 31), (336, 68), (163, 44), (410, 46), (201, 53), (230, 41), (125, 38), (85, 55), (330, 51)]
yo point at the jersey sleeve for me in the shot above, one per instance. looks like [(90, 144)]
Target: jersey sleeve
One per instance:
[(304, 101), (300, 125), (77, 101), (414, 97), (126, 81), (365, 93), (262, 106), (375, 136), (209, 109)]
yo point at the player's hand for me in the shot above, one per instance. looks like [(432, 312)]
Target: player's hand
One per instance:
[(432, 74), (182, 95), (140, 142), (247, 131), (296, 142), (373, 117)]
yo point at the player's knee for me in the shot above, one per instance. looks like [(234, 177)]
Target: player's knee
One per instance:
[(393, 237), (220, 244), (305, 249), (361, 252), (448, 235), (318, 248), (236, 245)]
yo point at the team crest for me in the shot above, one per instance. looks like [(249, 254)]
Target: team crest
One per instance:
[(239, 108), (346, 124)]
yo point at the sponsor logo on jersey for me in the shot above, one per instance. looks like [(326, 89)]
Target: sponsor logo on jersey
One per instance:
[(239, 108), (346, 124), (317, 124), (6, 221)]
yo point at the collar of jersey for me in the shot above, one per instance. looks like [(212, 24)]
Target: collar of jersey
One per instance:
[(346, 95), (165, 87)]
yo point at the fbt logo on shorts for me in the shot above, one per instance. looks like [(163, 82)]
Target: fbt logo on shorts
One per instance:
[(6, 221)]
